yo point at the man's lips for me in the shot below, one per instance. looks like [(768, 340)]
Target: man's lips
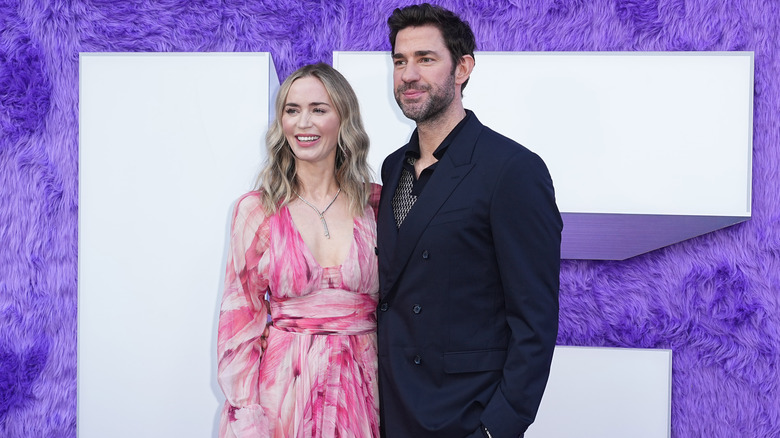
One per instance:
[(412, 94)]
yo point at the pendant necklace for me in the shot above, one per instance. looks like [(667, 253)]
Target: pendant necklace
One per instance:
[(320, 213)]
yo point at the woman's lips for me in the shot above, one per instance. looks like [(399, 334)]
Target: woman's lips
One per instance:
[(307, 139)]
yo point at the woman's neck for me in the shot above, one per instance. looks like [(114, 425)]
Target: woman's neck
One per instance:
[(316, 183)]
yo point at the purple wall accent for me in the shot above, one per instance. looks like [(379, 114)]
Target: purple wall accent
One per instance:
[(714, 300), (605, 236)]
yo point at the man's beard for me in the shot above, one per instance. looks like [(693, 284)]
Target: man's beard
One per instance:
[(439, 99)]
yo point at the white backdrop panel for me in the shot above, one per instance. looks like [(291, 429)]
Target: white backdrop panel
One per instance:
[(167, 143), (622, 132), (606, 393), (645, 148)]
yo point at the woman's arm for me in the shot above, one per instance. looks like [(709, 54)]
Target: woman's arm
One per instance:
[(242, 319)]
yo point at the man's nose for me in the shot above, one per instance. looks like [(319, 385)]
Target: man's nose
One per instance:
[(411, 73)]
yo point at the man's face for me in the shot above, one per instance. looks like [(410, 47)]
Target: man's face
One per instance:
[(423, 76)]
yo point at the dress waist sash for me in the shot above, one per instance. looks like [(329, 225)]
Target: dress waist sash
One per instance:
[(325, 312)]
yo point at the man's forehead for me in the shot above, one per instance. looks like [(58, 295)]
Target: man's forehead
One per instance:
[(423, 38)]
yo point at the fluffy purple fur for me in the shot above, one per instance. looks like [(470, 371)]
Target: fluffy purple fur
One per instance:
[(38, 223), (18, 373), (714, 300), (24, 99)]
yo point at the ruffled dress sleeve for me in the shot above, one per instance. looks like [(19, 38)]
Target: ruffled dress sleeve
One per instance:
[(242, 319), (373, 198)]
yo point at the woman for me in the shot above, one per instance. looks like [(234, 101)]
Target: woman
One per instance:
[(307, 237)]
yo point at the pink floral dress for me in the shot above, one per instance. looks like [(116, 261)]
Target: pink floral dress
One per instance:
[(317, 378)]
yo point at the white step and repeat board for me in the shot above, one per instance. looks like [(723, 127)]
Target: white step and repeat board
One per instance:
[(645, 148), (606, 393), (167, 143)]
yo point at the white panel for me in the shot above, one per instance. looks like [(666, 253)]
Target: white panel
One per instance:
[(640, 133), (637, 133), (167, 143), (638, 137), (606, 393)]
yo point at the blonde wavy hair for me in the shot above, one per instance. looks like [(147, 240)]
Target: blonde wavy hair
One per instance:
[(278, 178)]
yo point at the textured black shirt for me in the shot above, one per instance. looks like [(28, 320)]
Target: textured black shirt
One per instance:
[(409, 186)]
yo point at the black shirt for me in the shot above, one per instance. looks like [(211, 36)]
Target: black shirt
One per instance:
[(409, 186)]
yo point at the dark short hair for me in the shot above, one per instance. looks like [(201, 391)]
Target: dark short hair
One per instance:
[(456, 33)]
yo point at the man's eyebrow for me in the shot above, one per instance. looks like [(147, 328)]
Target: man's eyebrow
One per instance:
[(418, 54), (425, 53)]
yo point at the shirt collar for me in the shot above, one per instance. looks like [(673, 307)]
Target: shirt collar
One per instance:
[(413, 150)]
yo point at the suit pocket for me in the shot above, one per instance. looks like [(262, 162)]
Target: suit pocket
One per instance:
[(474, 361), (450, 216)]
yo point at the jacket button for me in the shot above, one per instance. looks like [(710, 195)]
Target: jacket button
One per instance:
[(417, 360), (383, 307), (376, 250), (417, 308), (425, 254)]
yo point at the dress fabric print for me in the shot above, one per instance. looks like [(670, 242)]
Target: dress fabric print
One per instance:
[(318, 376)]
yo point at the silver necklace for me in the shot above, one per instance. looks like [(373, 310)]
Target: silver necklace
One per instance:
[(320, 213)]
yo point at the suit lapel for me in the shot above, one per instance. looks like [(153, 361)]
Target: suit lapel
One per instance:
[(450, 171), (387, 232)]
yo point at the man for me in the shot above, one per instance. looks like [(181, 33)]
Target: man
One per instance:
[(469, 253)]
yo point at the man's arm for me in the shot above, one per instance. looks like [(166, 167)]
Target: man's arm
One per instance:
[(526, 227)]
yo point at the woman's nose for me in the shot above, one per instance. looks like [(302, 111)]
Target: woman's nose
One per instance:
[(304, 120)]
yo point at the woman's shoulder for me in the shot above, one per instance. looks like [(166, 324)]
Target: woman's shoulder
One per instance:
[(250, 199), (374, 191), (373, 194), (250, 204)]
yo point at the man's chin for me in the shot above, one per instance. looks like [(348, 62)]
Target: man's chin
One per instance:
[(413, 112)]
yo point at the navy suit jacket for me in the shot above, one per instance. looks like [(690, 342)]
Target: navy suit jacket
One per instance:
[(468, 310)]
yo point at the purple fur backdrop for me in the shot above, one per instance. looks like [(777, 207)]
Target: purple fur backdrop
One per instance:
[(713, 300)]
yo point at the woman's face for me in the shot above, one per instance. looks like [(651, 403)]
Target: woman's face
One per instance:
[(310, 122)]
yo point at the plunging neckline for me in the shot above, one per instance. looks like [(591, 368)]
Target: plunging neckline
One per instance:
[(311, 253)]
